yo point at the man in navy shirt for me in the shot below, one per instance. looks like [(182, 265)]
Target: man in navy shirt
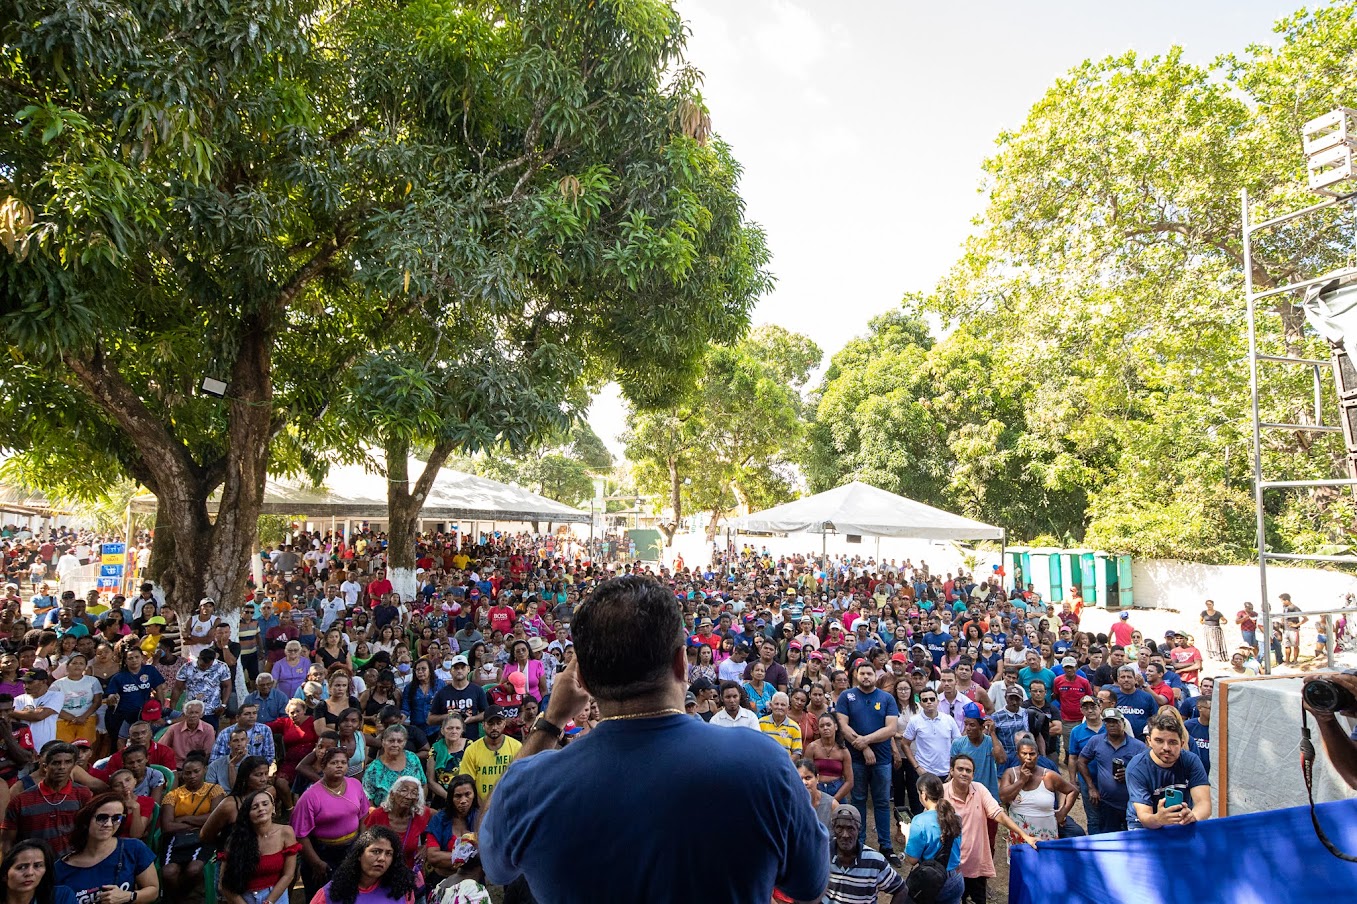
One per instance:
[(605, 818), (935, 640), (1112, 751), (1166, 768), (1136, 705), (1199, 733), (868, 717)]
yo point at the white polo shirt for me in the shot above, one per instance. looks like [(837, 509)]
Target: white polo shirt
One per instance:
[(931, 740)]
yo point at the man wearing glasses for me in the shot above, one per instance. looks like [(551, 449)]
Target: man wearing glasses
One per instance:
[(927, 739)]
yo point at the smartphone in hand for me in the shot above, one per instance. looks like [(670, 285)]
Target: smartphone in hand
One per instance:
[(1173, 797)]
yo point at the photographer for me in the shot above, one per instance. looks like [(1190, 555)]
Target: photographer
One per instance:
[(1341, 747)]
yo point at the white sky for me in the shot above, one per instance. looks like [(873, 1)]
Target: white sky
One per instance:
[(862, 125)]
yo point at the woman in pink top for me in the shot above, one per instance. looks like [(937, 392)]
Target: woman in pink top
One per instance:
[(977, 808), (327, 818), (522, 661)]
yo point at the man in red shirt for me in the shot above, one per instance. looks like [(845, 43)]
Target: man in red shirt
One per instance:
[(139, 735), (1070, 688), (705, 635), (1121, 630), (379, 587)]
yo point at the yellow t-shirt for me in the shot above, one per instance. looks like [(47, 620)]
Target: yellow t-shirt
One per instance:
[(486, 766), (461, 561)]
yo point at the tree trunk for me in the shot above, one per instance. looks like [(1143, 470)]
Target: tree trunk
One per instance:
[(195, 555), (714, 525), (675, 500), (403, 505)]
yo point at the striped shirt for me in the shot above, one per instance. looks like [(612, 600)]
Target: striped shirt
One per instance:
[(860, 882), (47, 815), (788, 734)]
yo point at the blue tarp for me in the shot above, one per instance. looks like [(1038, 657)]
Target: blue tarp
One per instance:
[(1261, 858)]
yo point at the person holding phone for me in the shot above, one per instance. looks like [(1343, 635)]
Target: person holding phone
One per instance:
[(1166, 784)]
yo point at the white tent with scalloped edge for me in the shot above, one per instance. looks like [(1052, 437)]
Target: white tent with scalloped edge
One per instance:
[(860, 508)]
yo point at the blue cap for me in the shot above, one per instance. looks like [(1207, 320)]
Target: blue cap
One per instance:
[(973, 711)]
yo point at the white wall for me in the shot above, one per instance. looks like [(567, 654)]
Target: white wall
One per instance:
[(1184, 586)]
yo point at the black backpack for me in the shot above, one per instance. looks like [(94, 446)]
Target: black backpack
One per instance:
[(925, 881)]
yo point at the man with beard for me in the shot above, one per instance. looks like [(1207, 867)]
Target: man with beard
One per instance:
[(487, 759), (868, 718), (578, 829)]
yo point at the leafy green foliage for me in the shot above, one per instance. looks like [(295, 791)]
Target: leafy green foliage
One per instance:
[(390, 222), (1092, 383), (730, 441)]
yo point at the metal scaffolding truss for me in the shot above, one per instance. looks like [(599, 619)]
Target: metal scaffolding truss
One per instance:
[(1262, 486)]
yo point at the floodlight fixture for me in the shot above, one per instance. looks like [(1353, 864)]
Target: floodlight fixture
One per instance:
[(1330, 143)]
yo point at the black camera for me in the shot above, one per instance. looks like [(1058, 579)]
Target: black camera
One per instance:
[(1325, 696)]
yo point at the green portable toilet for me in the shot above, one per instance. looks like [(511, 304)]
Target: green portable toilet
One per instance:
[(1125, 597), (1095, 589), (1074, 572), (1054, 571)]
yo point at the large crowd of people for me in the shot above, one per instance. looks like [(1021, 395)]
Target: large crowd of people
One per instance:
[(336, 733)]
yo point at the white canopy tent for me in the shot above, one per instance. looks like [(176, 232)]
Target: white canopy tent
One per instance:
[(358, 491), (859, 508)]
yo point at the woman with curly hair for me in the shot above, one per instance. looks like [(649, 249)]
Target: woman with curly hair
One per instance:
[(260, 860), (403, 812), (371, 873)]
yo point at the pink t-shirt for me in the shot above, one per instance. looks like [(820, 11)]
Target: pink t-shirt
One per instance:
[(327, 815), (534, 676), (1121, 633)]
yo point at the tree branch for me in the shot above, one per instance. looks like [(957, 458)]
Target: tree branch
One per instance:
[(105, 385), (20, 88)]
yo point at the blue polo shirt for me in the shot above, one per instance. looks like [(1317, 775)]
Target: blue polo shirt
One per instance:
[(867, 713), (1080, 735), (937, 645), (552, 819), (1099, 751)]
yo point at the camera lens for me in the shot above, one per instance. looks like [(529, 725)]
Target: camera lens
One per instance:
[(1322, 695)]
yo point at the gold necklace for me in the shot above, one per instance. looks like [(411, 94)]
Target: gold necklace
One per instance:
[(654, 713)]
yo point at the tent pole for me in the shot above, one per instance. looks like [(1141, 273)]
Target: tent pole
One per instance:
[(1003, 557)]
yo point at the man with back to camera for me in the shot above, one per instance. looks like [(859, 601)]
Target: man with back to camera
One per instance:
[(605, 819)]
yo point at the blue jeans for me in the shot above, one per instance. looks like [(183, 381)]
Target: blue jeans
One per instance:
[(1250, 638), (1090, 811), (952, 889), (878, 779)]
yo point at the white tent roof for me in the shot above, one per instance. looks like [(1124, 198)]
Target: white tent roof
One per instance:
[(359, 491), (859, 508)]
